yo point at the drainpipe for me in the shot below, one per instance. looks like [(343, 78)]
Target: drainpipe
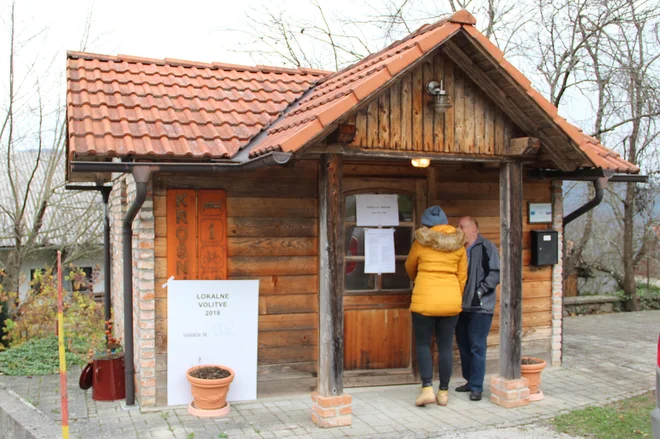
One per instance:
[(107, 279), (599, 185), (141, 175), (107, 301)]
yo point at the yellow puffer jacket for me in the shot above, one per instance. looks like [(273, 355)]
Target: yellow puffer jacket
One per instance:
[(437, 263)]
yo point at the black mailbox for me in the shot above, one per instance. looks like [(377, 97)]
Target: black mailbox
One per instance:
[(545, 250)]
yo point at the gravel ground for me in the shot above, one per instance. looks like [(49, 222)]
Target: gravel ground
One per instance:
[(525, 432)]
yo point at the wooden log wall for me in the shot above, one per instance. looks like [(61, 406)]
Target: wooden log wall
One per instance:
[(402, 119), (462, 191), (272, 235), (469, 189)]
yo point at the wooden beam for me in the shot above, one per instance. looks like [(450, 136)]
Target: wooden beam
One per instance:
[(331, 276), (352, 152), (502, 100), (511, 212), (344, 134), (523, 146), (431, 176)]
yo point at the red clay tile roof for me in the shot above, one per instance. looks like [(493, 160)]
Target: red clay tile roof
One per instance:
[(123, 105), (340, 92), (118, 106), (337, 94)]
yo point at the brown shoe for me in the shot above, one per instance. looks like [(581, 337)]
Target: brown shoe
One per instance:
[(425, 397), (442, 397)]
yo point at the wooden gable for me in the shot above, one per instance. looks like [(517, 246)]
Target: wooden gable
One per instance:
[(402, 118)]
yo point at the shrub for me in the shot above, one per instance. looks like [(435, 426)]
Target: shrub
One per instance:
[(649, 298), (35, 317)]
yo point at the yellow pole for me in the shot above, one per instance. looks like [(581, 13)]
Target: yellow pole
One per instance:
[(60, 333)]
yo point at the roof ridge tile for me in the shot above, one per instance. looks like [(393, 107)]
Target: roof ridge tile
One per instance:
[(71, 54)]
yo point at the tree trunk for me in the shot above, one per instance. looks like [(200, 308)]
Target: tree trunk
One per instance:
[(629, 284), (10, 283)]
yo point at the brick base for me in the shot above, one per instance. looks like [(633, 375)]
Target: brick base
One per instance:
[(509, 393), (332, 411)]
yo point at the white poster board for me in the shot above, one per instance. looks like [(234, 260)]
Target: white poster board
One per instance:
[(379, 251), (212, 322), (377, 210)]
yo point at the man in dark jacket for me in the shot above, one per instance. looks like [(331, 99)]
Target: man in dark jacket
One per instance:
[(478, 306)]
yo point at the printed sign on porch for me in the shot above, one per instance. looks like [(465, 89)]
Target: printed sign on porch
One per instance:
[(212, 322), (379, 251), (377, 210)]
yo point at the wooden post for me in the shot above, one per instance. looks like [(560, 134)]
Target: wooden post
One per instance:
[(431, 192), (511, 202), (331, 277)]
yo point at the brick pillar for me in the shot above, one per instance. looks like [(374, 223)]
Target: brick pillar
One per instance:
[(144, 302), (509, 393), (332, 411), (557, 273), (118, 206)]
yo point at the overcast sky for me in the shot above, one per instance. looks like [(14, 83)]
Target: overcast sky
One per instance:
[(193, 29), (197, 30)]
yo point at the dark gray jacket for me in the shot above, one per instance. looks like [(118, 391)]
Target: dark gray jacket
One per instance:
[(483, 277)]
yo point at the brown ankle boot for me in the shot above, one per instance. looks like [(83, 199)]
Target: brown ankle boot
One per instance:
[(425, 397), (443, 397)]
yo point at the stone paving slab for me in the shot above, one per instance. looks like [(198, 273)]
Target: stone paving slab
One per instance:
[(606, 358)]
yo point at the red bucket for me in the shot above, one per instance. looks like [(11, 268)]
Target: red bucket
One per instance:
[(109, 382)]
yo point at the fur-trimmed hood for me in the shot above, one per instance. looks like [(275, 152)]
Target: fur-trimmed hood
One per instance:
[(443, 238)]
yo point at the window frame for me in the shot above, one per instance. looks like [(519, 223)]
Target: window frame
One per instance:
[(378, 290)]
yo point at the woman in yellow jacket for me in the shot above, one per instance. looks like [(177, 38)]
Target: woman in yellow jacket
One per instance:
[(437, 263)]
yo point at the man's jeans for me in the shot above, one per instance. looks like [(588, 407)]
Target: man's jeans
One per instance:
[(471, 333)]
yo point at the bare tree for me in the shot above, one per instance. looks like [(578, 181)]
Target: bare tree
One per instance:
[(35, 210), (623, 68), (329, 39), (636, 56)]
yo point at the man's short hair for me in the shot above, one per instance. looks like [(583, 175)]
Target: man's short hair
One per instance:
[(473, 221)]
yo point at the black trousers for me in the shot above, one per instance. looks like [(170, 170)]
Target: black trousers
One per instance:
[(424, 327)]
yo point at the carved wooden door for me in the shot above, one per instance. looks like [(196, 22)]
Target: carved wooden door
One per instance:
[(197, 234)]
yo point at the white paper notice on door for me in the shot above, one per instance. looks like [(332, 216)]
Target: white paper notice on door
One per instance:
[(379, 251), (375, 210)]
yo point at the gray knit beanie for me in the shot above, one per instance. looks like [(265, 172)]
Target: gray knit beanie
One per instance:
[(434, 216)]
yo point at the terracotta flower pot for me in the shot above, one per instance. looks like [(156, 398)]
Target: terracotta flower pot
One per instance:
[(210, 394), (533, 373)]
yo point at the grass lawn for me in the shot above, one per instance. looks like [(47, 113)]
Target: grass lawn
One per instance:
[(626, 419)]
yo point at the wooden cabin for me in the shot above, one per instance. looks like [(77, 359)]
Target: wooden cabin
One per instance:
[(270, 160)]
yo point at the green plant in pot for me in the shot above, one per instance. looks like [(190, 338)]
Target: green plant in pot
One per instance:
[(209, 384), (531, 368)]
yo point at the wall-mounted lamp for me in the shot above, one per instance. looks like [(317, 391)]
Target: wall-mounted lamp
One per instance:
[(441, 102), (421, 162)]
